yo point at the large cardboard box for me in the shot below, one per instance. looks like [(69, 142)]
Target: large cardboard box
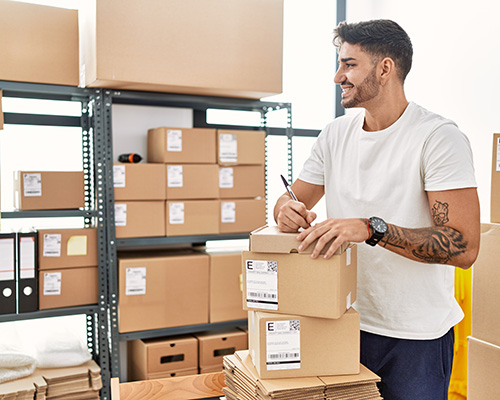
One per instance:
[(67, 248), (242, 181), (181, 145), (192, 217), (214, 345), (150, 357), (225, 286), (241, 215), (292, 346), (162, 290), (485, 284), (39, 43), (495, 180), (241, 147), (67, 287), (48, 190), (192, 181), (139, 181), (297, 284), (212, 47), (483, 370), (139, 218)]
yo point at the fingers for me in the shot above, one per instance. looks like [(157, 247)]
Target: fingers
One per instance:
[(292, 216)]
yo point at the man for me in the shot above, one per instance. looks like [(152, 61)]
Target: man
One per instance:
[(402, 179)]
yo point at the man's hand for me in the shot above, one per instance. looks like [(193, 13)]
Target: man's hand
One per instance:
[(293, 215), (353, 230)]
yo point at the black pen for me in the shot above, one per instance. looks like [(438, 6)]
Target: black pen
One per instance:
[(288, 188)]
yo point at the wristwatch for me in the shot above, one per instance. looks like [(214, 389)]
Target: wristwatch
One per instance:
[(379, 228)]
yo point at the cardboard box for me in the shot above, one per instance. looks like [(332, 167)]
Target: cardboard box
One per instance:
[(139, 181), (225, 286), (214, 47), (192, 217), (48, 190), (495, 180), (162, 290), (39, 43), (241, 215), (181, 145), (67, 287), (483, 366), (139, 218), (242, 181), (485, 284), (172, 374), (214, 345), (67, 248), (241, 147), (292, 346), (211, 369), (298, 284), (268, 239), (192, 181), (162, 356)]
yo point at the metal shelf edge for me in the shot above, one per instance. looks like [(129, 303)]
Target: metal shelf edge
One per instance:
[(56, 312)]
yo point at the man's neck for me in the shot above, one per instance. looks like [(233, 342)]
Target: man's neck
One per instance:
[(383, 114)]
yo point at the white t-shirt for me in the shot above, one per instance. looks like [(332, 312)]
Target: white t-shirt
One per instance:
[(386, 174)]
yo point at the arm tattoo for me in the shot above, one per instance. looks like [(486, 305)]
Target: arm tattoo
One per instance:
[(440, 213)]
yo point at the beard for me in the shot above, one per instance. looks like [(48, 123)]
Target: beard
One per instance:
[(365, 91)]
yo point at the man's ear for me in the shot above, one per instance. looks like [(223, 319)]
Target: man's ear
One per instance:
[(387, 69)]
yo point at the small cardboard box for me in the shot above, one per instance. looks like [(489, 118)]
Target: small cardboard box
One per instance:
[(67, 287), (48, 190), (242, 181), (162, 289), (241, 147), (485, 284), (296, 283), (214, 345), (495, 180), (192, 217), (293, 346), (172, 374), (225, 286), (181, 145), (192, 181), (483, 370), (241, 215), (139, 181), (39, 44), (139, 218), (67, 248), (162, 356)]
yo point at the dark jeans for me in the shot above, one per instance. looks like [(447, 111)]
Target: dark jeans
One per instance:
[(409, 369)]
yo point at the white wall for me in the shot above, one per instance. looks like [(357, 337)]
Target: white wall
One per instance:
[(456, 67)]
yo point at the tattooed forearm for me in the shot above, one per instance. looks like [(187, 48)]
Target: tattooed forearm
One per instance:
[(436, 245)]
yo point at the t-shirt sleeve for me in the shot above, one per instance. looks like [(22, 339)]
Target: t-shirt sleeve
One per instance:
[(447, 161), (313, 170)]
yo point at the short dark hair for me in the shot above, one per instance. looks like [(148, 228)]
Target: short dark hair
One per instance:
[(381, 38)]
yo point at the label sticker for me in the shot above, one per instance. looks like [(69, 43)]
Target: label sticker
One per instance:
[(176, 213), (6, 259), (120, 214), (283, 345), (228, 212), (52, 245), (226, 180), (32, 185), (262, 284), (174, 176), (174, 140), (27, 257), (228, 147), (348, 257), (52, 283), (119, 176), (135, 281), (498, 155)]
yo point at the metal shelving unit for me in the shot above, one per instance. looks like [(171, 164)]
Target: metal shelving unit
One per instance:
[(93, 214)]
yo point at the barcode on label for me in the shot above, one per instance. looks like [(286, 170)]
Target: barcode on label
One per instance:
[(283, 355), (262, 295)]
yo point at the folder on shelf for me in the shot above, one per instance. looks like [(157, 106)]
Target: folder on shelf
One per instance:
[(27, 282), (7, 273), (1, 112)]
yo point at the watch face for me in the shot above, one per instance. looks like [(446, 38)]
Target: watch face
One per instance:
[(378, 225)]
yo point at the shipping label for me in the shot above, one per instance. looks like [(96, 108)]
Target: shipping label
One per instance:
[(176, 213), (119, 176), (228, 212), (52, 283), (120, 214), (174, 176), (135, 281), (52, 245), (283, 345), (226, 180), (228, 148), (32, 185), (262, 284), (174, 140)]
